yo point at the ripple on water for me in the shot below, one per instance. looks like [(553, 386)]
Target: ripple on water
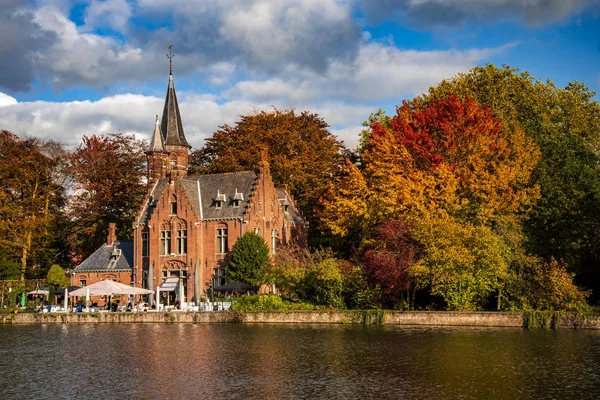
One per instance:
[(295, 361)]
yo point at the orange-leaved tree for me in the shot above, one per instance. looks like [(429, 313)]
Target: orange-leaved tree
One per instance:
[(447, 166)]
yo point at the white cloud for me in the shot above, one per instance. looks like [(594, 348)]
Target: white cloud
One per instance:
[(6, 100), (113, 14), (202, 115), (378, 73)]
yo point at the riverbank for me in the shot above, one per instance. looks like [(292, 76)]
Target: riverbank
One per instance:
[(432, 318)]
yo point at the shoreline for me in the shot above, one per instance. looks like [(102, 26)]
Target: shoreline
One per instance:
[(536, 319)]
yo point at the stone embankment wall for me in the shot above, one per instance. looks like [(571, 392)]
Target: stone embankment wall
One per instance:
[(431, 318)]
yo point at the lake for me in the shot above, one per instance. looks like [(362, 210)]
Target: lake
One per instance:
[(237, 361)]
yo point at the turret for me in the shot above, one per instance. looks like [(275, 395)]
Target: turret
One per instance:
[(157, 156)]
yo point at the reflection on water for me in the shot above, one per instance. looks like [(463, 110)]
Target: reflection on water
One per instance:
[(295, 361)]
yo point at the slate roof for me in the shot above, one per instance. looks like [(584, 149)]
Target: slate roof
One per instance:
[(171, 126), (225, 185), (203, 192), (292, 215), (157, 143), (109, 258)]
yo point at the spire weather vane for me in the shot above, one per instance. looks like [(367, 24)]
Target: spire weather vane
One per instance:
[(170, 57)]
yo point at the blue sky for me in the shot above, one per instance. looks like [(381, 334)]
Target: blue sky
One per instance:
[(80, 67)]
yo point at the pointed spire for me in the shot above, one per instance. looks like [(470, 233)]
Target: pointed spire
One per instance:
[(157, 144), (171, 126)]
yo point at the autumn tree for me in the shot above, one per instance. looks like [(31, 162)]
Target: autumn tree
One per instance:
[(303, 153), (29, 196), (565, 122), (108, 174), (390, 258), (445, 166)]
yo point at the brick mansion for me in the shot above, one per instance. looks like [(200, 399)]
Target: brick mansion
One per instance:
[(188, 224)]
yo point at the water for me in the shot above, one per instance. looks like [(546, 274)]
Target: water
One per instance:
[(224, 361)]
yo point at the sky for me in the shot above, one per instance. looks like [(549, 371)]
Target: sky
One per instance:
[(84, 67)]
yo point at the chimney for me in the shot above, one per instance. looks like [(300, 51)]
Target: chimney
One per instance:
[(112, 234)]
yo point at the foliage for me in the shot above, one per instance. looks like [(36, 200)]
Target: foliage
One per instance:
[(108, 175), (377, 117), (357, 292), (263, 302), (389, 256), (314, 276), (565, 122), (545, 285), (465, 263), (56, 277), (323, 284), (9, 269), (303, 154), (248, 258), (30, 195), (454, 174)]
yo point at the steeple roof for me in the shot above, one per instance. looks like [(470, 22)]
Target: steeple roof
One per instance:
[(171, 126), (157, 144)]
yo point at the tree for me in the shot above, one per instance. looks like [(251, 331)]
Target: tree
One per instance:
[(108, 174), (56, 277), (454, 173), (323, 284), (389, 256), (303, 154), (29, 196), (565, 122), (249, 256)]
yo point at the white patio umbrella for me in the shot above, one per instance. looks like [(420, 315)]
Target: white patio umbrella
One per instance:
[(102, 288), (136, 290), (40, 291)]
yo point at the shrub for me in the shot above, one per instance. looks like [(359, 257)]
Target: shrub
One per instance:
[(263, 302)]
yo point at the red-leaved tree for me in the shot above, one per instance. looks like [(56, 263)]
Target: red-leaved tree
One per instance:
[(389, 256)]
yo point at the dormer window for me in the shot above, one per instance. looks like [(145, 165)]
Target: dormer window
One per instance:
[(221, 198), (238, 197), (285, 204), (116, 254)]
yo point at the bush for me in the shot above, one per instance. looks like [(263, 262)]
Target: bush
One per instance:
[(323, 284), (547, 286), (263, 302)]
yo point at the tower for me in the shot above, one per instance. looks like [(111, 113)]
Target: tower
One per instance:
[(172, 130), (167, 155)]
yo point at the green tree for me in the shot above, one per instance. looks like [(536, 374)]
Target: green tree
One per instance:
[(565, 122), (9, 269), (249, 256), (56, 277)]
